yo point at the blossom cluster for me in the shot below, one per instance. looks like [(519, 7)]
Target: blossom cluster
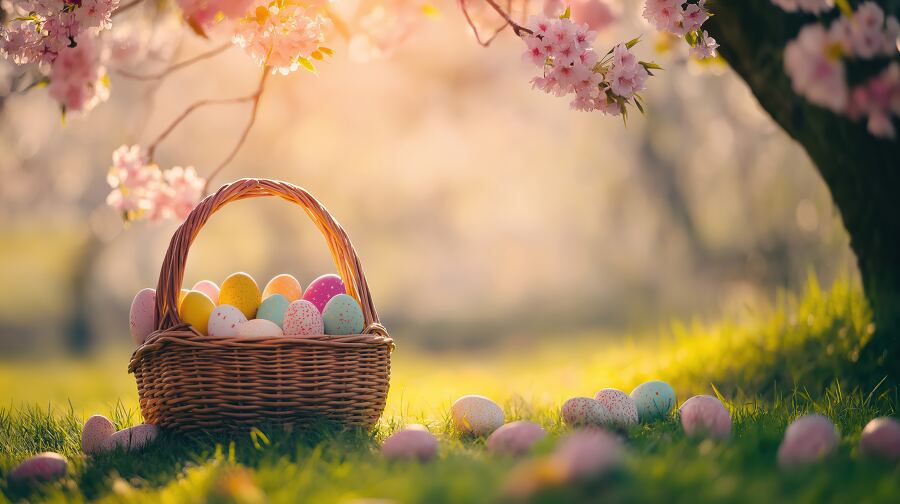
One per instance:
[(683, 19), (816, 63), (563, 50), (283, 35), (58, 37), (141, 190), (812, 6)]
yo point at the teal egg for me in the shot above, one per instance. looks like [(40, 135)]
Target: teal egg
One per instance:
[(653, 400), (273, 308), (342, 315)]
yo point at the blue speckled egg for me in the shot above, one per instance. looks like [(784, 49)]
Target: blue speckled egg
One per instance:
[(273, 308), (653, 399), (342, 315)]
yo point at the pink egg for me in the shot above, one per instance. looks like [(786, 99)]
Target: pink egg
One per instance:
[(209, 288), (705, 415), (143, 313), (302, 317), (597, 14), (224, 321), (410, 444), (322, 289), (619, 406), (132, 438), (259, 328), (45, 466), (881, 438), (515, 438), (95, 432), (807, 439), (583, 412), (587, 453)]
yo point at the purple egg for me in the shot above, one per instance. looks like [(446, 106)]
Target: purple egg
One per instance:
[(881, 438), (322, 289), (515, 438), (410, 444), (45, 466), (807, 439), (705, 415)]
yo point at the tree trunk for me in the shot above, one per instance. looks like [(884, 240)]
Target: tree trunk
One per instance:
[(861, 171)]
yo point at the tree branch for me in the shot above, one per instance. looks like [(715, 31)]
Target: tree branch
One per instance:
[(177, 66), (517, 28), (487, 42)]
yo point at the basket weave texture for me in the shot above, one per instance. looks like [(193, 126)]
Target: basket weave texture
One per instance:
[(190, 382)]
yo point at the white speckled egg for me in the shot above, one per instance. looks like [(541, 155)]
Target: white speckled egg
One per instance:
[(132, 438), (881, 438), (653, 400), (620, 408), (583, 412), (225, 320), (705, 415), (209, 288), (45, 466), (410, 444), (586, 453), (143, 312), (807, 439), (95, 432), (515, 438), (477, 415), (302, 317), (259, 328), (342, 315)]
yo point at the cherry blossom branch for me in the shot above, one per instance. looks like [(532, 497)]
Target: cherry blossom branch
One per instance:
[(487, 42), (177, 66), (517, 28), (126, 7), (256, 97)]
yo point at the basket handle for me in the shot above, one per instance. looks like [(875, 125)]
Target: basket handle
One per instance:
[(171, 274)]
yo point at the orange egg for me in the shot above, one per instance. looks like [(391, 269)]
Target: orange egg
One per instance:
[(284, 284)]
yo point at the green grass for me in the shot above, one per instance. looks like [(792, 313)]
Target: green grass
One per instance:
[(795, 358)]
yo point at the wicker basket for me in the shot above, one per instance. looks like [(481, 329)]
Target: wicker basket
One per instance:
[(190, 382)]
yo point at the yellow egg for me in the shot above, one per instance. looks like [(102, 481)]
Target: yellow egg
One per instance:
[(195, 310), (240, 290), (284, 284), (181, 295)]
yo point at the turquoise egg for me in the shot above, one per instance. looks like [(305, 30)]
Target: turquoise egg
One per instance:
[(653, 399), (273, 308), (342, 315)]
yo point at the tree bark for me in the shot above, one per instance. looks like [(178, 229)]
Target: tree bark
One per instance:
[(861, 171)]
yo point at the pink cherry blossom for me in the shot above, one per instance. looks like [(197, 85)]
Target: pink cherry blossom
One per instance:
[(278, 36), (627, 76), (694, 16), (77, 79), (705, 47), (814, 72), (665, 15)]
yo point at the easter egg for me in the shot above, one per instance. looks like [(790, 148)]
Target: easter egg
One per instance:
[(620, 409), (181, 294), (259, 328), (587, 453), (95, 432), (209, 288), (881, 438), (273, 308), (583, 412), (342, 315), (240, 290), (322, 289), (653, 400), (410, 444), (284, 284), (515, 438), (705, 415), (476, 415), (225, 320), (195, 310), (807, 439), (132, 438), (45, 466), (302, 317), (142, 316)]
